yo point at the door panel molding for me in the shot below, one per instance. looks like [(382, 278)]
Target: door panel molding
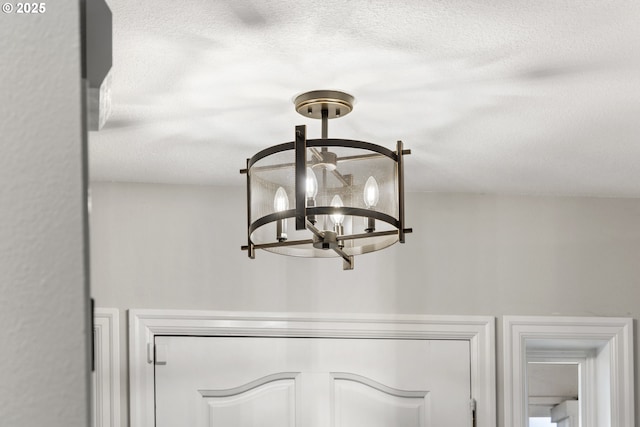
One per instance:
[(250, 386), (144, 325), (346, 376), (615, 332), (413, 407), (272, 401)]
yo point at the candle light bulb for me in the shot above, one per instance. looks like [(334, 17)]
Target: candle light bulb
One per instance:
[(280, 204), (312, 184), (280, 201), (336, 202), (371, 192)]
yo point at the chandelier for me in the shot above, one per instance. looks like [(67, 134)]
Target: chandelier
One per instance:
[(325, 197)]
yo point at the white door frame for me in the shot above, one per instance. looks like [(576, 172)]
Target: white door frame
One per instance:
[(144, 325), (106, 377), (616, 331)]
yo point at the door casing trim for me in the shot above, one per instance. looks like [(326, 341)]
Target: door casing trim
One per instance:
[(145, 325), (616, 331), (106, 378)]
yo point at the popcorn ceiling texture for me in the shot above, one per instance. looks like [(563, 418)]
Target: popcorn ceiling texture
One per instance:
[(492, 97)]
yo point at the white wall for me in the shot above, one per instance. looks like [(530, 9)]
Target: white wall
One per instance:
[(162, 246), (44, 335)]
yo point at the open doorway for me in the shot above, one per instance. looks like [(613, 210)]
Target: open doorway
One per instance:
[(553, 390), (602, 349)]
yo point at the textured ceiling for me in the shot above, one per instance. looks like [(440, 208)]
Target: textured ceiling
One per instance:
[(496, 96)]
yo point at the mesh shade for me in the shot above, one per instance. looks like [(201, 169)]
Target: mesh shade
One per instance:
[(352, 169)]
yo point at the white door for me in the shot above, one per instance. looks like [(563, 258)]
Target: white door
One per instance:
[(311, 382)]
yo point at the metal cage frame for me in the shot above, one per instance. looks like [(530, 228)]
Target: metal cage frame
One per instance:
[(301, 212)]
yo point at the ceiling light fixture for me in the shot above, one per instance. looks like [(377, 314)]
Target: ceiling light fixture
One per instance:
[(347, 196)]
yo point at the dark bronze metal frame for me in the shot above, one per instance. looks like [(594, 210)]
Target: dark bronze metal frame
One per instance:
[(302, 212)]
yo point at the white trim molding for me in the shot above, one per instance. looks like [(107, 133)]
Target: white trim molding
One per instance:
[(106, 404), (145, 325), (613, 332)]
